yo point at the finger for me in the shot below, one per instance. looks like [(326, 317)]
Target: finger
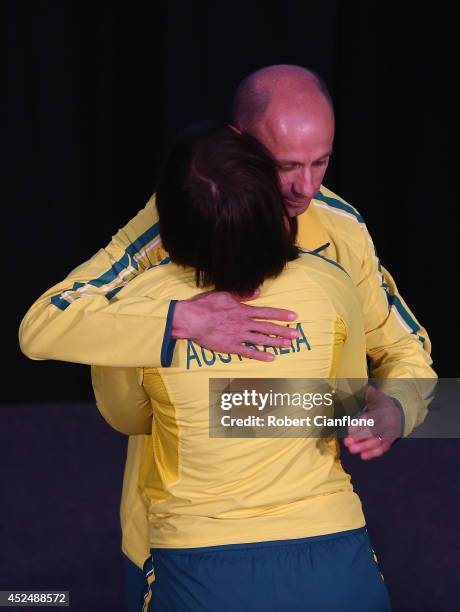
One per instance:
[(358, 446), (266, 312), (246, 351), (348, 441), (274, 330), (372, 454), (263, 340), (359, 432)]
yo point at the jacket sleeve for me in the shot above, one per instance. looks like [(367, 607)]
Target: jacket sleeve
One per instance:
[(79, 320), (398, 348), (122, 400)]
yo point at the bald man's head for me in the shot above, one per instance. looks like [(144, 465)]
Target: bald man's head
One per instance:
[(255, 93), (289, 110)]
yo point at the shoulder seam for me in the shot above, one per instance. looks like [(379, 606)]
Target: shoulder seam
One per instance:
[(338, 205)]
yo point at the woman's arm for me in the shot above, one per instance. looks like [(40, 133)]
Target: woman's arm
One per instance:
[(122, 400)]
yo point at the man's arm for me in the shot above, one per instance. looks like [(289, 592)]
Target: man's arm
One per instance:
[(398, 351), (81, 320), (122, 400), (397, 346)]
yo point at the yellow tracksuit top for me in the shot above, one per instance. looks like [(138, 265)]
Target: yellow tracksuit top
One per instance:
[(202, 491)]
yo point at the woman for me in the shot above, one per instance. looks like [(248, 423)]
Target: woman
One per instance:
[(237, 523)]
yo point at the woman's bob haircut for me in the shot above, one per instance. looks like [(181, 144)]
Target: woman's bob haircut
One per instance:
[(221, 209)]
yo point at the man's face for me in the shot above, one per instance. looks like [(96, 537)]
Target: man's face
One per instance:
[(301, 142)]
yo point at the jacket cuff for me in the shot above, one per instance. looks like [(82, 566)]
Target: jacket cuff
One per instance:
[(167, 348), (403, 418)]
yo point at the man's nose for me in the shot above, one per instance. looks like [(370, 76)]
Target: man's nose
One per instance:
[(303, 185)]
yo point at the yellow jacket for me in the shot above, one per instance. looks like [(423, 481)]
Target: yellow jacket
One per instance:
[(200, 490)]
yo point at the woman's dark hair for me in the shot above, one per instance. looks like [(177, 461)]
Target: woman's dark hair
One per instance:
[(221, 209)]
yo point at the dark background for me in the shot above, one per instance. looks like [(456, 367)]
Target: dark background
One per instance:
[(97, 90)]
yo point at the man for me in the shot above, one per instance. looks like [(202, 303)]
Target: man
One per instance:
[(288, 109), (264, 523)]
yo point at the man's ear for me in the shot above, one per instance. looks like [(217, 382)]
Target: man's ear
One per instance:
[(234, 128)]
